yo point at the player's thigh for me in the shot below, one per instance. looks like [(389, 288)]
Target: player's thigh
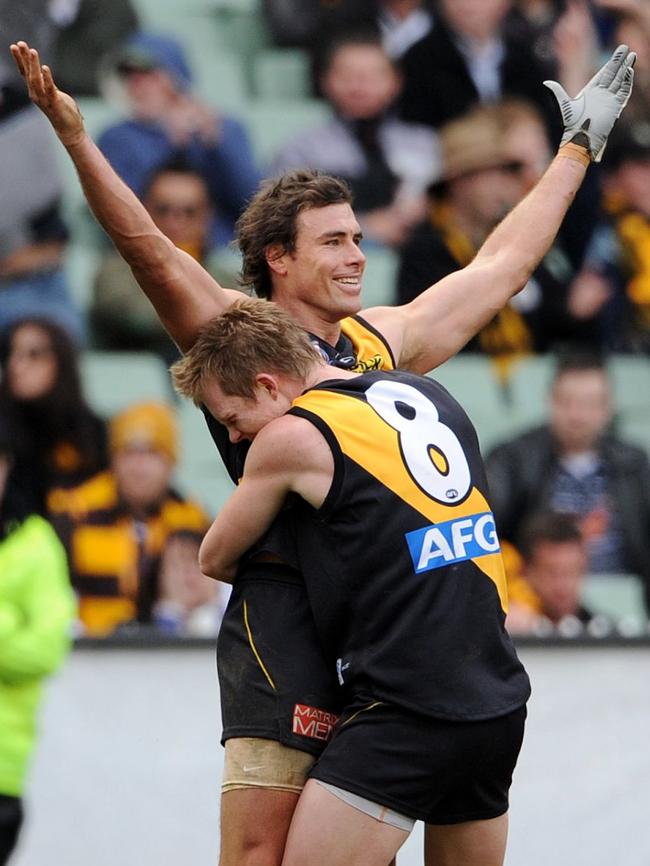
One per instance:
[(473, 843), (326, 831)]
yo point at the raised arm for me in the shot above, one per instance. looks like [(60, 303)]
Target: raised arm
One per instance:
[(288, 456), (184, 295), (440, 321)]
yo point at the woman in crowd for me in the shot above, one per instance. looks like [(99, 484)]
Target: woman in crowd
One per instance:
[(61, 441)]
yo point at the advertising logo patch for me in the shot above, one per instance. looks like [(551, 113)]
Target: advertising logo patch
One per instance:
[(314, 723), (453, 541)]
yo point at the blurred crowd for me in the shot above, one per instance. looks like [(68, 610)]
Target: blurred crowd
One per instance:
[(435, 113), (437, 117)]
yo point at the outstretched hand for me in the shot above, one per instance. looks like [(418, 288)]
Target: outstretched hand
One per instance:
[(59, 108), (590, 116)]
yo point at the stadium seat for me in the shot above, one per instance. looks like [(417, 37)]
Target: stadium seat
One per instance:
[(243, 32), (81, 263), (379, 276), (527, 389), (114, 380), (630, 376), (200, 473), (220, 79), (472, 381), (248, 7), (281, 74), (619, 596), (272, 122)]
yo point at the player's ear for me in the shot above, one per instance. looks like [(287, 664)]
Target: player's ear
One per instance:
[(276, 259), (268, 382)]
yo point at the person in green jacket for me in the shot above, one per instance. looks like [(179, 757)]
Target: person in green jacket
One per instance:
[(37, 607)]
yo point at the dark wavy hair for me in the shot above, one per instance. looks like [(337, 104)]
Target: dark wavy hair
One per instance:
[(270, 219), (62, 414), (14, 507)]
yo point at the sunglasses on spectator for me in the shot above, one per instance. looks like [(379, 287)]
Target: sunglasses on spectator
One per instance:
[(33, 353), (164, 209)]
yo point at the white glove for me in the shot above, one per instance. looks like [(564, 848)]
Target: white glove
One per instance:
[(589, 118)]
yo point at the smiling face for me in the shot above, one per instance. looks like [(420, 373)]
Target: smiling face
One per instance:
[(325, 268)]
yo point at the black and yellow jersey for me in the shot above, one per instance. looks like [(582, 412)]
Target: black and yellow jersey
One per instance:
[(402, 562), (359, 348)]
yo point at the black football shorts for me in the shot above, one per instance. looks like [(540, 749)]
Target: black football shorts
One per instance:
[(274, 681), (434, 770)]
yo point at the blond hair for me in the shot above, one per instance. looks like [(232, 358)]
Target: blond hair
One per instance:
[(252, 336)]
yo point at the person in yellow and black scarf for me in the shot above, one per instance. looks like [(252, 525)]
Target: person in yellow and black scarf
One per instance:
[(484, 176), (617, 293), (132, 540)]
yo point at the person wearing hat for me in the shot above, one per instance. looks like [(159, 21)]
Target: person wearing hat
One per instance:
[(485, 173), (615, 287), (167, 120), (124, 527), (36, 611)]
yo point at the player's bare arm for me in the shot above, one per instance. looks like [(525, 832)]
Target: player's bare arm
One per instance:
[(288, 456), (438, 323), (184, 295)]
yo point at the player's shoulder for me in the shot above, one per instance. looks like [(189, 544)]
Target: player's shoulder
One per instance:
[(288, 442)]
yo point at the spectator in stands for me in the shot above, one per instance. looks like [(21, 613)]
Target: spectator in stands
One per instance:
[(575, 465), (36, 611), (88, 31), (616, 290), (61, 440), (633, 23), (129, 535), (121, 317), (388, 163), (469, 57), (307, 23), (547, 594), (488, 166), (32, 234), (167, 120)]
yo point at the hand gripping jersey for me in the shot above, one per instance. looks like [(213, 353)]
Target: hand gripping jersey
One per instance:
[(402, 562), (360, 348)]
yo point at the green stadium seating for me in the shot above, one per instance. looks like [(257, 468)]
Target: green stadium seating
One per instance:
[(616, 595), (630, 375), (527, 388), (272, 122), (220, 79), (379, 276), (81, 263), (245, 7), (281, 74), (114, 380)]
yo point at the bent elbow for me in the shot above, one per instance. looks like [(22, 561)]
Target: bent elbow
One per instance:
[(208, 563)]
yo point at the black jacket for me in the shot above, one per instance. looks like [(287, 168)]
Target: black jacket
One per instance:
[(439, 88), (520, 474)]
